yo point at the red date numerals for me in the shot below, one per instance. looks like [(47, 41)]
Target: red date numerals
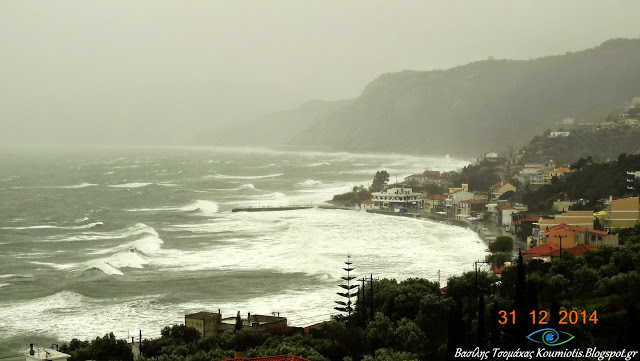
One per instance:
[(542, 317)]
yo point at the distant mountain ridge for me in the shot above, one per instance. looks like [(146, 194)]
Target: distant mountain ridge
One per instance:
[(469, 109)]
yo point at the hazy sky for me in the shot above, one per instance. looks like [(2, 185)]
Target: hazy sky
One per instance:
[(163, 71)]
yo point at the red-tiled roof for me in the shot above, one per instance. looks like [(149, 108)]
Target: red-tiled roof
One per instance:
[(475, 201), (577, 251), (314, 326), (596, 231), (541, 249), (564, 227), (367, 201), (505, 207), (499, 185), (497, 270), (273, 358)]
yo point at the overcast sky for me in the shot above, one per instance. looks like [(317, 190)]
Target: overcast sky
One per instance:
[(161, 71)]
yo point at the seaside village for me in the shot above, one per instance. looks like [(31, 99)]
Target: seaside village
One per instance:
[(492, 214), (490, 211)]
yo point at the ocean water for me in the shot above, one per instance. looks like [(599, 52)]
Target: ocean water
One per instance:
[(120, 240)]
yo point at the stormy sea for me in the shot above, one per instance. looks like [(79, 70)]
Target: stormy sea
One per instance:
[(98, 240)]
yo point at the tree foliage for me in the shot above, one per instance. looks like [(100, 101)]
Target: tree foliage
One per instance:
[(379, 180)]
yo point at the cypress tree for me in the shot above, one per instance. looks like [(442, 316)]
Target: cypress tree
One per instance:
[(238, 326)]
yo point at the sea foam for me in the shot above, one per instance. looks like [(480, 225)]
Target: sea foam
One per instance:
[(224, 176)]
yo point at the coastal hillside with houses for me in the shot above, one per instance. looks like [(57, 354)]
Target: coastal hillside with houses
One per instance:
[(571, 139), (547, 207)]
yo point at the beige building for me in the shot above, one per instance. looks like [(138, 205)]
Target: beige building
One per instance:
[(583, 219), (621, 213), (500, 188), (210, 323)]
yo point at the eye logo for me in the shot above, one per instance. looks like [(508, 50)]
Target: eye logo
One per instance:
[(550, 337)]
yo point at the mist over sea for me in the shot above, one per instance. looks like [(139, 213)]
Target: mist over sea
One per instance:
[(120, 240)]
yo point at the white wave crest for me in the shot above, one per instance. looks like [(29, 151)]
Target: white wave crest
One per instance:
[(81, 185), (136, 229), (75, 186), (310, 183), (317, 164), (244, 186), (224, 176), (4, 284), (130, 185), (206, 207), (47, 226)]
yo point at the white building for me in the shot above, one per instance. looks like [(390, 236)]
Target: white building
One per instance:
[(395, 197), (559, 134), (367, 204)]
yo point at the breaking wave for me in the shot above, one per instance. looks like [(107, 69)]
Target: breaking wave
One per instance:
[(317, 164), (205, 207), (310, 183), (224, 176), (131, 231), (244, 186), (140, 185), (47, 226), (75, 186)]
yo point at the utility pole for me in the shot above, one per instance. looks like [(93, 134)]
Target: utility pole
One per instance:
[(363, 302), (561, 237), (371, 288), (476, 267)]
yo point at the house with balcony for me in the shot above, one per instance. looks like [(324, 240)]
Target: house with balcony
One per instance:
[(472, 208), (397, 197), (572, 236)]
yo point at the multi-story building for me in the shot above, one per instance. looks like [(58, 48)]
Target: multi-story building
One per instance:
[(621, 213), (583, 219), (397, 197)]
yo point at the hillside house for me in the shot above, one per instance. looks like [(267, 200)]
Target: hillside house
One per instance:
[(500, 188)]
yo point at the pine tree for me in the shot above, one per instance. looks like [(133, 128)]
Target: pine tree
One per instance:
[(346, 306)]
